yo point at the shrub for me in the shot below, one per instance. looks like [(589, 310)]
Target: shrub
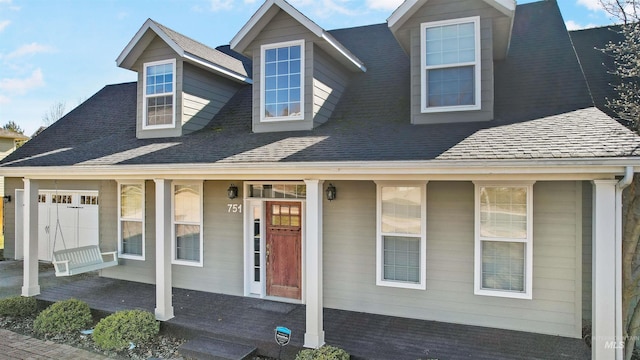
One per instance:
[(117, 330), (63, 317), (18, 306), (326, 352)]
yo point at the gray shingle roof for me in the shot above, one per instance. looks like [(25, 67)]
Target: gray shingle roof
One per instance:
[(597, 65), (203, 51), (543, 111)]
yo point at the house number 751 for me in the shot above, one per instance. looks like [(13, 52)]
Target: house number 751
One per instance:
[(234, 208)]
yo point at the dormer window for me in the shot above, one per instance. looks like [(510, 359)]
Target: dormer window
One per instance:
[(450, 58), (159, 94), (282, 82)]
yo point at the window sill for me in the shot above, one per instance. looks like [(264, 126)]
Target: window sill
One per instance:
[(158, 127), (131, 257), (441, 109), (503, 294), (400, 284), (281, 119), (187, 263)]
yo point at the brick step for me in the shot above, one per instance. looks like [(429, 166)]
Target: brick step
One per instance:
[(208, 348)]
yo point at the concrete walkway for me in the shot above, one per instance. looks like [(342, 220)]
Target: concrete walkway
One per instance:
[(17, 346)]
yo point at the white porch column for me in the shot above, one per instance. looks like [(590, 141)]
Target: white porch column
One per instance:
[(314, 335), (30, 286), (604, 342), (164, 303)]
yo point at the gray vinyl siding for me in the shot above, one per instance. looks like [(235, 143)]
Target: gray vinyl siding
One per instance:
[(128, 269), (283, 28), (436, 10), (204, 94), (156, 51), (329, 82), (350, 251), (222, 270), (587, 249)]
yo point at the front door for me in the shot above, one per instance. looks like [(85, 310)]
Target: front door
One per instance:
[(284, 249)]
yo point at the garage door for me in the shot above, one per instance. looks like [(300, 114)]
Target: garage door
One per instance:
[(66, 219)]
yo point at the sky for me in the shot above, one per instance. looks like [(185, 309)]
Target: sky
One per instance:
[(64, 51)]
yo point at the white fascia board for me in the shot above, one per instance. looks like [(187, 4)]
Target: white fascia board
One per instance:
[(244, 31), (552, 169), (262, 11), (508, 6), (342, 50), (217, 68), (409, 7), (299, 17), (398, 17), (149, 24)]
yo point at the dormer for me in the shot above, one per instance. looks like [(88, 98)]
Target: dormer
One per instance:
[(452, 47), (182, 84), (300, 70)]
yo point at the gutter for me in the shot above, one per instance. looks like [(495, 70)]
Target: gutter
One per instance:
[(622, 184)]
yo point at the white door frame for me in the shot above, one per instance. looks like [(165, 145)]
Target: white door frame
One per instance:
[(250, 288)]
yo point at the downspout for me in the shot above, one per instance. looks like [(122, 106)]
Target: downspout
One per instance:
[(622, 184)]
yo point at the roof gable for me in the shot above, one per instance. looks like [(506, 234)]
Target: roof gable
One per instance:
[(270, 9), (409, 7), (186, 48), (501, 28)]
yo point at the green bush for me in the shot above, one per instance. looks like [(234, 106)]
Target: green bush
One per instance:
[(18, 306), (326, 352), (117, 330), (63, 317)]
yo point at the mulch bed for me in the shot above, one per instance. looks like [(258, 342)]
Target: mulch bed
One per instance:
[(162, 347)]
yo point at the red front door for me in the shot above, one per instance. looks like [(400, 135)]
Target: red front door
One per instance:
[(284, 249)]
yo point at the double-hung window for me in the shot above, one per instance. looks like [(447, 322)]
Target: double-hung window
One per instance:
[(504, 240), (450, 61), (131, 220), (282, 82), (187, 223), (159, 94), (401, 239)]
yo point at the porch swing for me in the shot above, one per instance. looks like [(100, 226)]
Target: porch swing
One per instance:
[(74, 261)]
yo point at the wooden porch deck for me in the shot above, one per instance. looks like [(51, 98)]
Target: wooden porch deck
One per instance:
[(365, 336)]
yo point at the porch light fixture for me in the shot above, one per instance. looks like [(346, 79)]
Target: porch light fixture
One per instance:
[(331, 192), (232, 192), (6, 198)]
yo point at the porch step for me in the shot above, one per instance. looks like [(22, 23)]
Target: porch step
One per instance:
[(207, 348)]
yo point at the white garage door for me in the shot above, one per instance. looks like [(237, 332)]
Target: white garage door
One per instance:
[(66, 219)]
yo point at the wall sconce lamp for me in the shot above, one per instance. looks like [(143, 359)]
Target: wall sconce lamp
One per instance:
[(232, 192), (6, 198), (331, 192)]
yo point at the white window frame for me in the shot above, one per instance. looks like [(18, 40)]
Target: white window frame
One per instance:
[(145, 96), (174, 260), (528, 278), (263, 49), (424, 68), (380, 280), (121, 219)]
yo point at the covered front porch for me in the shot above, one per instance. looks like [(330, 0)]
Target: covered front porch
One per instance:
[(365, 336)]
